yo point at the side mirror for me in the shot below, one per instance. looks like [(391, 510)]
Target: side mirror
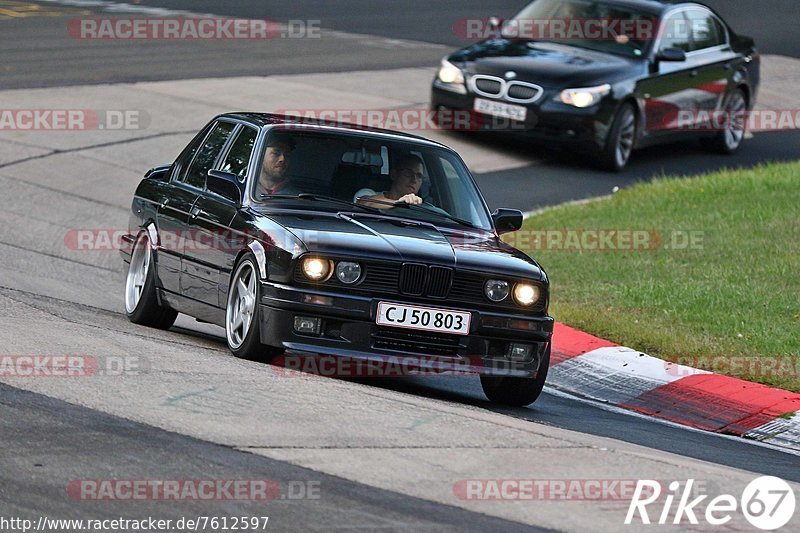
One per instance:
[(224, 184), (671, 54), (507, 220)]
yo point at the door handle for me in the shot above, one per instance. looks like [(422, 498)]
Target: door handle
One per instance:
[(195, 213), (693, 74), (727, 66), (164, 203)]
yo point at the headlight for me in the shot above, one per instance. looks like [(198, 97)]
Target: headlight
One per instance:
[(586, 97), (496, 290), (526, 294), (316, 269), (449, 73), (347, 272)]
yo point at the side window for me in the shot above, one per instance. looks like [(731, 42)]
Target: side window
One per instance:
[(207, 154), (238, 157), (186, 157), (676, 33), (706, 30)]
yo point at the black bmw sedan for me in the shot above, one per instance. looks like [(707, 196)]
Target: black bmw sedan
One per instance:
[(338, 240), (609, 75)]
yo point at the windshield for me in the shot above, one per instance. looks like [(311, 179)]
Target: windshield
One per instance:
[(594, 25), (392, 177)]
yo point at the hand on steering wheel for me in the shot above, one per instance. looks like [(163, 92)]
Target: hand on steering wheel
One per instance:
[(412, 199)]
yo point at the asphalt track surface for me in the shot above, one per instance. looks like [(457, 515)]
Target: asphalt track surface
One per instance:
[(48, 442), (35, 428)]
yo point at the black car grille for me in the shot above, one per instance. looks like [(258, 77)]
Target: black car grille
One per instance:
[(439, 282), (522, 92), (380, 277), (489, 86), (417, 342), (468, 287), (421, 280), (413, 279)]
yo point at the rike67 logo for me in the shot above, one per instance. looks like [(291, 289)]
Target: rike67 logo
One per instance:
[(767, 502)]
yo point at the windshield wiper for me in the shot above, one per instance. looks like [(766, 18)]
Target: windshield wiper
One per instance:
[(320, 197), (423, 207)]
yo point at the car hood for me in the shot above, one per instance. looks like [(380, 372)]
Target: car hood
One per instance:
[(551, 65), (393, 239)]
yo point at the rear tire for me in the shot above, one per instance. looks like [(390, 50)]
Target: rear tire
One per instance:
[(513, 391), (621, 139), (141, 300), (243, 314), (730, 139)]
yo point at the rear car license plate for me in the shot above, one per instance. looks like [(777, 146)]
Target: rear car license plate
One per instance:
[(423, 318)]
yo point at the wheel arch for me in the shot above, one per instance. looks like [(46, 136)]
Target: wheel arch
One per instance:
[(257, 250)]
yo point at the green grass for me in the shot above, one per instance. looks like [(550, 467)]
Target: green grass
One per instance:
[(731, 304)]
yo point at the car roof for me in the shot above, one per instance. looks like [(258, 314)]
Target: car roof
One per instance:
[(653, 6), (263, 120)]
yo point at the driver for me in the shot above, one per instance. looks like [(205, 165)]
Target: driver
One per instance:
[(272, 178), (407, 176)]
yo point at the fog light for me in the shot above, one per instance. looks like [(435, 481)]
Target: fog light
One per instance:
[(519, 352), (307, 325)]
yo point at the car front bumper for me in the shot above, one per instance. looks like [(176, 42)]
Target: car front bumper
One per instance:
[(546, 120), (349, 330)]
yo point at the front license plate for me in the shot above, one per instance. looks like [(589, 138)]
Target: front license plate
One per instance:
[(424, 318), (499, 109)]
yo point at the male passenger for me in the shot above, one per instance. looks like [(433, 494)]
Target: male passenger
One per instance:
[(407, 176)]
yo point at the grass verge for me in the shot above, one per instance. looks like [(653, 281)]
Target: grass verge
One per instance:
[(710, 275)]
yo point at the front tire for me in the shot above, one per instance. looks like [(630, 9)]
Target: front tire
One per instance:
[(621, 139), (514, 391), (243, 315), (141, 300)]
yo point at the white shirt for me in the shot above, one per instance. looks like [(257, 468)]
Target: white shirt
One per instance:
[(363, 192)]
